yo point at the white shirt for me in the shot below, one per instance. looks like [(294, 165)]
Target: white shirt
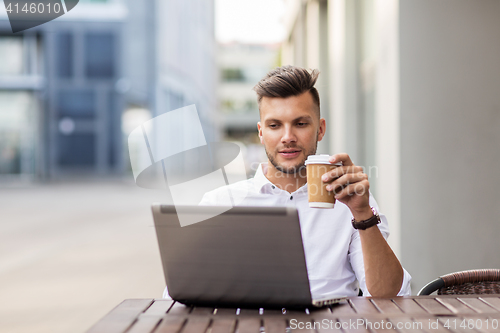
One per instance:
[(332, 246)]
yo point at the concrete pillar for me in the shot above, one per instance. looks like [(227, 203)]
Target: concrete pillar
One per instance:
[(387, 125), (450, 121)]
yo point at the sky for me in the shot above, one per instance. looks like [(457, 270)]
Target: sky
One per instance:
[(249, 21)]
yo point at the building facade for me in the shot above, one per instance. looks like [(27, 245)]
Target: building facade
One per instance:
[(66, 85), (241, 66)]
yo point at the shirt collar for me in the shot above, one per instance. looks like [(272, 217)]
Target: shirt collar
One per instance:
[(264, 185)]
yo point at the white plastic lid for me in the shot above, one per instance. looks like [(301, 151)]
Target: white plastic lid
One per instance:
[(320, 159)]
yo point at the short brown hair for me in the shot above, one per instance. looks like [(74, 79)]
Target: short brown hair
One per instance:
[(288, 81)]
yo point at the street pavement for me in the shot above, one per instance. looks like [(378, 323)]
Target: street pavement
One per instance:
[(71, 251)]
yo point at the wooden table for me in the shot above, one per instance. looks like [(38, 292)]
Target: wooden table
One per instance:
[(399, 314)]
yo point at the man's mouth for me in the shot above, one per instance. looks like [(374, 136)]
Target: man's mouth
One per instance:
[(289, 153)]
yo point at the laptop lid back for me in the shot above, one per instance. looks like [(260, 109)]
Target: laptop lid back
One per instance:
[(246, 256)]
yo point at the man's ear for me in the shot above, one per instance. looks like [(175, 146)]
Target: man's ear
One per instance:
[(259, 127), (322, 129)]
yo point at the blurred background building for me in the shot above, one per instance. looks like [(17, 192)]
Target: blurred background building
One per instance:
[(241, 66), (72, 89)]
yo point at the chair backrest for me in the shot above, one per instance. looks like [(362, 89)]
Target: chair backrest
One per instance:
[(478, 281)]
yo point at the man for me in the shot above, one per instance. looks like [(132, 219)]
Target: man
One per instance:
[(338, 256)]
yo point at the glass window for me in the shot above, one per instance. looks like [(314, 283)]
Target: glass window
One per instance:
[(76, 104), (64, 55), (11, 56), (99, 55), (17, 132), (227, 105), (10, 152), (251, 106), (255, 74), (232, 75), (77, 150)]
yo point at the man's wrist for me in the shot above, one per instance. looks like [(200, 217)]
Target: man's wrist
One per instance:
[(363, 214), (373, 220)]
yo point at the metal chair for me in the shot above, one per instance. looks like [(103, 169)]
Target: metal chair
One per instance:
[(478, 281)]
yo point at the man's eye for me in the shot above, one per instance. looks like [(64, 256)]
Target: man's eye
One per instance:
[(273, 125), (301, 124)]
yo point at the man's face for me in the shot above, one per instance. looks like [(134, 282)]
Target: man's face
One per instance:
[(290, 129)]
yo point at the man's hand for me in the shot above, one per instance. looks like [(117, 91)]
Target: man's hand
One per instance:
[(350, 185), (383, 272)]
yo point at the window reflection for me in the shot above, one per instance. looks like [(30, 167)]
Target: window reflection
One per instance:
[(17, 132), (11, 56)]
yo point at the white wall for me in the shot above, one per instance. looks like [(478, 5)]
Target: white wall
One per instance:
[(450, 135)]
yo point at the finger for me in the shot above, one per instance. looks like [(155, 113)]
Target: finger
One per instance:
[(345, 180), (339, 171), (360, 188), (343, 157)]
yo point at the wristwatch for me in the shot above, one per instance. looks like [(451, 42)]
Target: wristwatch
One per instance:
[(362, 225)]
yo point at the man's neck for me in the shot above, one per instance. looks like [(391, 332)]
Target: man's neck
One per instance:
[(290, 182)]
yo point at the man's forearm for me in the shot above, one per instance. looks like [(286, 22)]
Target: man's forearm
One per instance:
[(383, 272)]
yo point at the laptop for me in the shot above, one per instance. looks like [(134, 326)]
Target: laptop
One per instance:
[(244, 257)]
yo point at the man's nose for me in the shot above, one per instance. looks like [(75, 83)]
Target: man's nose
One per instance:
[(288, 135)]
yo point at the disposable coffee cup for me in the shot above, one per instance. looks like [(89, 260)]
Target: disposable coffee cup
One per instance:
[(317, 166)]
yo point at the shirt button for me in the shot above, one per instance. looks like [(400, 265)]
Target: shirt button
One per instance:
[(291, 198), (273, 187)]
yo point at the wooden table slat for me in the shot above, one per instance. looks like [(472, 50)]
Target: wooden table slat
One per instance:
[(249, 312), (202, 311), (430, 326), (352, 325), (432, 306), (121, 317), (478, 305), (493, 301), (272, 312), (145, 324), (332, 326), (223, 325), (384, 328), (159, 307), (405, 324), (179, 309), (196, 324), (171, 324), (455, 305), (413, 313), (342, 309), (225, 312), (363, 305), (274, 324), (295, 313), (385, 305), (320, 313), (408, 305), (249, 325), (479, 324), (458, 328)]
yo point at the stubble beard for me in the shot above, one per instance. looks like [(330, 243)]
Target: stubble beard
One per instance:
[(296, 168)]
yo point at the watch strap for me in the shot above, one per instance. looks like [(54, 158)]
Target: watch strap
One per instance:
[(363, 225)]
